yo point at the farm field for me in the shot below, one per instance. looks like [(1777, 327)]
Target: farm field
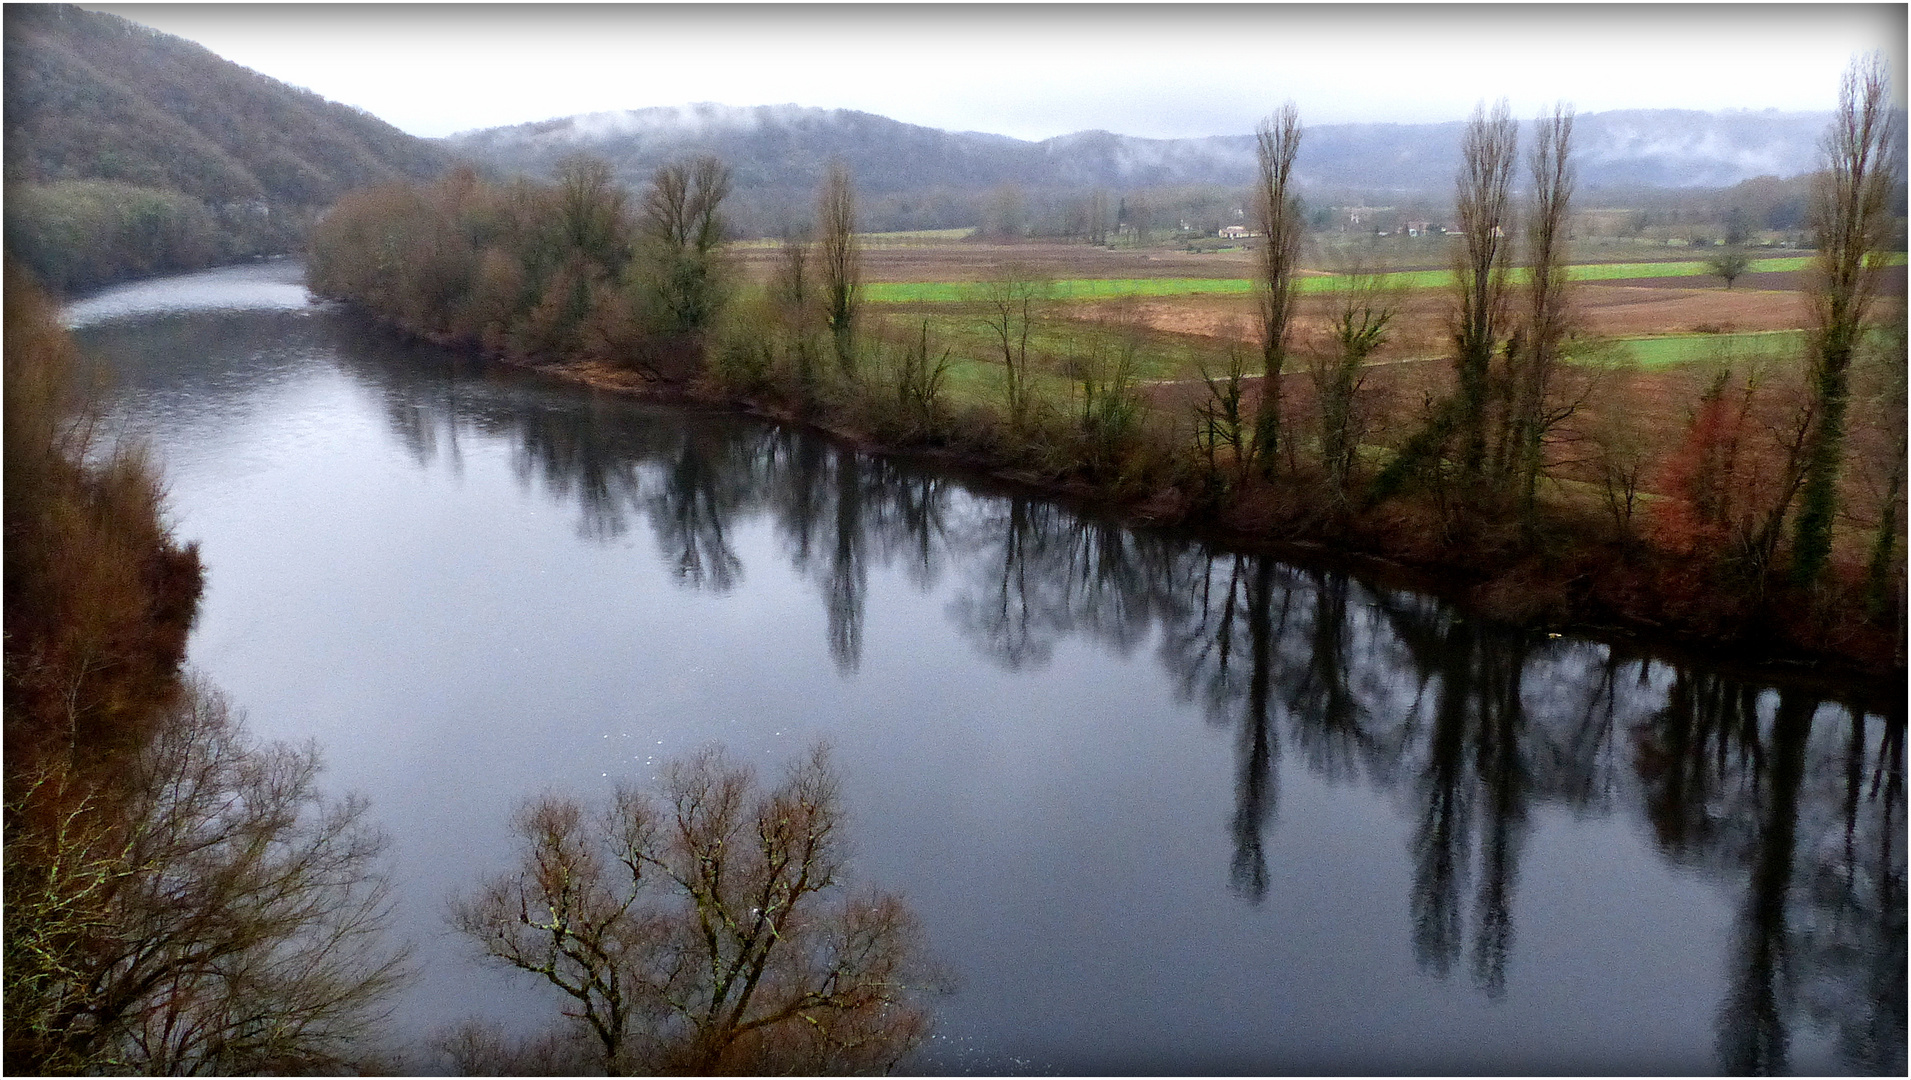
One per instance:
[(1193, 305), (1652, 336)]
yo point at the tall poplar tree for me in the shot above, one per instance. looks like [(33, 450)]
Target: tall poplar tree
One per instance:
[(1851, 216)]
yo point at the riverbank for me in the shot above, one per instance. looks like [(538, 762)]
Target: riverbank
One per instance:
[(1625, 594)]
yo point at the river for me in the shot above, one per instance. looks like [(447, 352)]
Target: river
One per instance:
[(1162, 808)]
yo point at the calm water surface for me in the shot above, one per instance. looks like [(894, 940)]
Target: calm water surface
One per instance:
[(1163, 808)]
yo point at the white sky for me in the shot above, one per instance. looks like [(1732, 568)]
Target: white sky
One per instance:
[(1034, 72)]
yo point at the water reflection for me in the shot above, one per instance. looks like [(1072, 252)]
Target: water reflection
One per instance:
[(1791, 805), (1802, 806), (1798, 805)]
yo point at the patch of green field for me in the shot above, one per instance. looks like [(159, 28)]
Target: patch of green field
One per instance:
[(916, 236), (1669, 349), (955, 292), (970, 341)]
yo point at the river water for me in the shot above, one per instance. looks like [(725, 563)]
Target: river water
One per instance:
[(1162, 808)]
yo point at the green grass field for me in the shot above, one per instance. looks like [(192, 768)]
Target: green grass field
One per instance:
[(915, 237), (1668, 349), (952, 292), (1664, 350), (969, 341)]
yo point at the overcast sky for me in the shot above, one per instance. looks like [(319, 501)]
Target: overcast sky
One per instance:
[(1033, 72)]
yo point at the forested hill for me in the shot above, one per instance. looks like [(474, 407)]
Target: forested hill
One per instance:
[(778, 153), (109, 124)]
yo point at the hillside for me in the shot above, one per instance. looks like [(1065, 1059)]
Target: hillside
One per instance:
[(108, 123), (778, 154)]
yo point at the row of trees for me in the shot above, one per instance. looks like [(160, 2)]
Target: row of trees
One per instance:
[(74, 234), (1479, 473), (1483, 447), (564, 272), (559, 270)]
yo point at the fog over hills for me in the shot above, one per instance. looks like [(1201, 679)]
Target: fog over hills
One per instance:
[(780, 151)]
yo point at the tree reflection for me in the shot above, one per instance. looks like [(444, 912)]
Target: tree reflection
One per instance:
[(1754, 1038), (1803, 805), (1797, 807), (846, 581), (691, 509), (1240, 609)]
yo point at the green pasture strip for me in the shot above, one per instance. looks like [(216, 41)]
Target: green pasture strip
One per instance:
[(1664, 350), (955, 292), (968, 339), (1667, 350), (916, 236)]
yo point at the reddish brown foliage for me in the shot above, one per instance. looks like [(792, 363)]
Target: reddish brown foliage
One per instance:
[(99, 597)]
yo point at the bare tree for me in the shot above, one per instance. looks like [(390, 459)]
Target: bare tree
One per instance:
[(1098, 217), (706, 932), (1547, 312), (790, 291), (1011, 308), (1102, 364), (1851, 215), (1277, 214), (839, 260), (1219, 419), (213, 915), (682, 229), (1488, 151), (1480, 318), (1364, 310), (591, 212)]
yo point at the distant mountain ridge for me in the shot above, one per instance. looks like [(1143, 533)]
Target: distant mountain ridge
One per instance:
[(785, 148)]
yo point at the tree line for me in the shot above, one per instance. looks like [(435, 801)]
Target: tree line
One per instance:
[(1520, 459)]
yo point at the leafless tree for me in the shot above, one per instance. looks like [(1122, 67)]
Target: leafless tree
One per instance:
[(1218, 418), (1363, 311), (707, 931), (839, 259), (682, 229), (591, 212), (1011, 309), (1548, 311), (1098, 217), (1277, 214), (208, 913), (1851, 216), (1103, 365), (1480, 316), (1488, 151), (790, 291)]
